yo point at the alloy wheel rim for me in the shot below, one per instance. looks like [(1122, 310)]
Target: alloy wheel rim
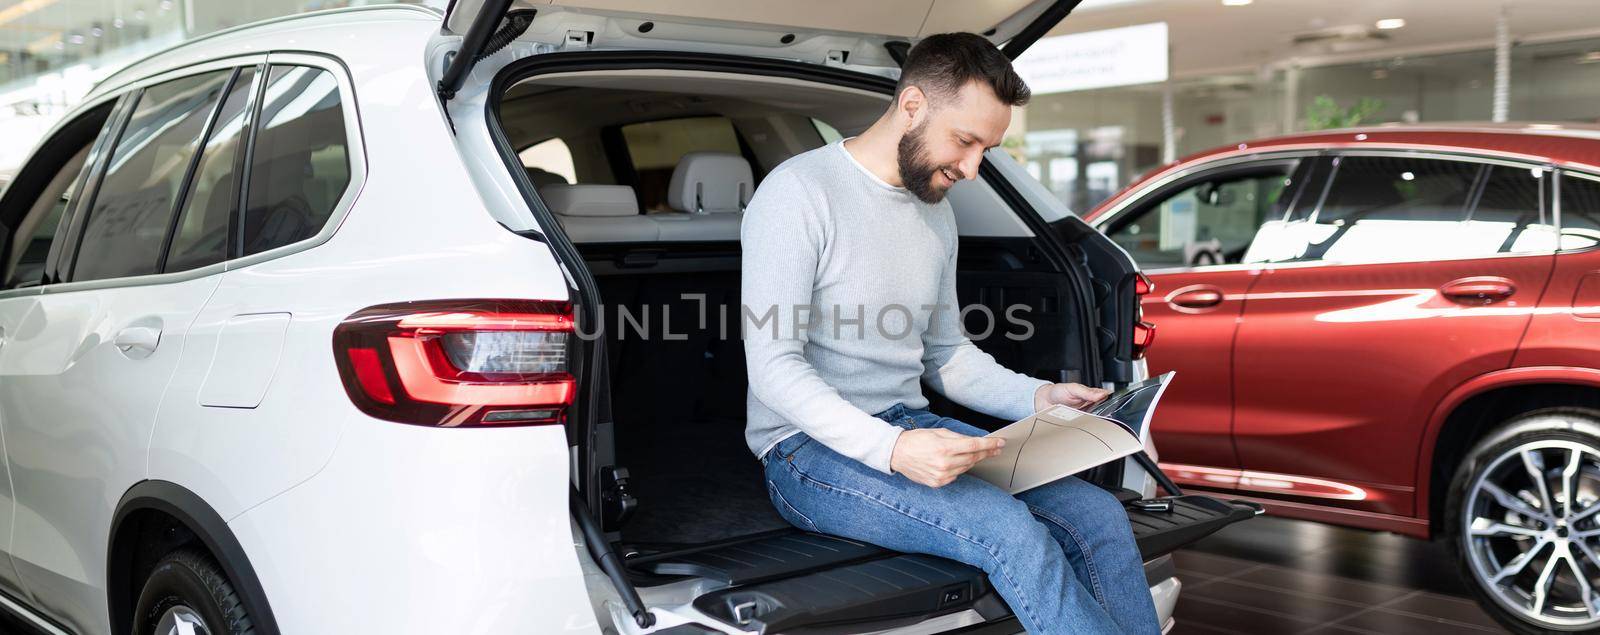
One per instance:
[(1531, 530), (182, 620)]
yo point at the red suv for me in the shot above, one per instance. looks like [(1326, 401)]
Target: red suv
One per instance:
[(1395, 328)]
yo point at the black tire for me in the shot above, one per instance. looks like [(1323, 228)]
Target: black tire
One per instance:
[(190, 579), (1548, 432)]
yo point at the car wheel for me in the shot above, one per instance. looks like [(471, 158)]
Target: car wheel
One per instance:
[(187, 592), (1523, 516)]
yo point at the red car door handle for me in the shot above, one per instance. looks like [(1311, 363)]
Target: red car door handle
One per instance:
[(1197, 298), (1479, 290)]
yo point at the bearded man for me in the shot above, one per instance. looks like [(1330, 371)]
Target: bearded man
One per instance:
[(849, 291)]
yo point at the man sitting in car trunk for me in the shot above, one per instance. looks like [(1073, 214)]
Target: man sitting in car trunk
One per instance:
[(850, 298)]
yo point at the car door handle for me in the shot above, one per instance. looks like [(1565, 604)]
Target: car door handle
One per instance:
[(1481, 290), (1197, 298), (137, 342)]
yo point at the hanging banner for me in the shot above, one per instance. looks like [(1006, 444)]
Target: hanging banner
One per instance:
[(1097, 59)]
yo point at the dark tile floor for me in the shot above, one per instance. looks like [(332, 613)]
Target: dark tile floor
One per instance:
[(1274, 575)]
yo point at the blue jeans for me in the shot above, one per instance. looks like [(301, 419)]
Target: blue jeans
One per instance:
[(1062, 555)]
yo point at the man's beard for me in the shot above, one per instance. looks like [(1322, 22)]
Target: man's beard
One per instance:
[(916, 169)]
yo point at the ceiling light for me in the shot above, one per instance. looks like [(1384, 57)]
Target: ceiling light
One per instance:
[(1390, 23), (23, 8), (1236, 3)]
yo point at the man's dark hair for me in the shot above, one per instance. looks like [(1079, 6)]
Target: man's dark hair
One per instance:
[(941, 64)]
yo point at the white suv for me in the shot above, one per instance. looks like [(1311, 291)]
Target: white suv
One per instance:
[(300, 328)]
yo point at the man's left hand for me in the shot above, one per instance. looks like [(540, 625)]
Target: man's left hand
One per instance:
[(1070, 395)]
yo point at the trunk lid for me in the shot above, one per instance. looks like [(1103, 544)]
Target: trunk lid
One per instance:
[(871, 35), (999, 20)]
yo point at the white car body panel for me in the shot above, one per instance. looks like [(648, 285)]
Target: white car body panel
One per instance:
[(78, 414)]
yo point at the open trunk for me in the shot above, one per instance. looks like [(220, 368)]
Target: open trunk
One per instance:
[(662, 398)]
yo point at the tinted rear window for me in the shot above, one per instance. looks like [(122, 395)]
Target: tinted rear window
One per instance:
[(299, 165), (132, 212)]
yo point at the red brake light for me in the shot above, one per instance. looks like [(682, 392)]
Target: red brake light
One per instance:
[(459, 363), (1144, 336), (1142, 286)]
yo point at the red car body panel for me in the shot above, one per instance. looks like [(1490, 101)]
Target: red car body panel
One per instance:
[(1195, 419), (1385, 346), (1352, 441)]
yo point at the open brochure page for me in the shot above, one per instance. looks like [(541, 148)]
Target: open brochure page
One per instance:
[(1060, 441)]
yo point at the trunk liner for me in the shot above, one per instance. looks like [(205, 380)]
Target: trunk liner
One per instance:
[(781, 554)]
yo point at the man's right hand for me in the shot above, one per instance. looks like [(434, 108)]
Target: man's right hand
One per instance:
[(936, 456)]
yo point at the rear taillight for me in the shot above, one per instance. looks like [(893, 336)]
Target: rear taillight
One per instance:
[(1144, 333), (459, 362)]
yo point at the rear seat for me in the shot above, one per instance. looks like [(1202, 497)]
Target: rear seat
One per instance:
[(709, 191), (599, 213)]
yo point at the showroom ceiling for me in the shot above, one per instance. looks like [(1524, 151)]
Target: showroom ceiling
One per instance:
[(1208, 37)]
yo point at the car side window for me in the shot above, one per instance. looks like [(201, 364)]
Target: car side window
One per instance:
[(1209, 222), (132, 212), (549, 162), (200, 237), (300, 164), (1510, 215), (1381, 208), (1580, 212), (31, 238)]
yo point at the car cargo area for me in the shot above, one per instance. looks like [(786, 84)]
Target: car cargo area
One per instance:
[(699, 536), (703, 517)]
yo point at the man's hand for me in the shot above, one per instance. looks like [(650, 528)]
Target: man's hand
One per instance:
[(936, 456), (1071, 395)]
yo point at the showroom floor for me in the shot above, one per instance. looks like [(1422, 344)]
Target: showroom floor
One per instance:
[(1273, 575)]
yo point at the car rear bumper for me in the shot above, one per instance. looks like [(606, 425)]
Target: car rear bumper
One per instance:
[(411, 529)]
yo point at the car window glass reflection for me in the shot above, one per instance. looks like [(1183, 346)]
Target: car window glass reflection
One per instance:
[(1387, 209), (1209, 223), (1580, 213), (299, 167), (128, 223)]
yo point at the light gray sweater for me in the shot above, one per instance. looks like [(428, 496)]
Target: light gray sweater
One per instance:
[(849, 296)]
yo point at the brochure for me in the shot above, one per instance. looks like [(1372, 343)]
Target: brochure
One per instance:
[(1060, 441)]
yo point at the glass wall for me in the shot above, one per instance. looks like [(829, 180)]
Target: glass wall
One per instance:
[(52, 52), (1454, 87), (1086, 145)]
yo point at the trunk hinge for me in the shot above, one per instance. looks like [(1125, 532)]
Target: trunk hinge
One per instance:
[(482, 40)]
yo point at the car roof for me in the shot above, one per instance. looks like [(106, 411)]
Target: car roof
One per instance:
[(195, 50), (1567, 145)]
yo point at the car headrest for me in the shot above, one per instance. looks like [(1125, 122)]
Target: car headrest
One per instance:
[(713, 182), (590, 200), (540, 177)]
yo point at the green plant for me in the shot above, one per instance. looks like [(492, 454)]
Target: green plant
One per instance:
[(1325, 113)]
